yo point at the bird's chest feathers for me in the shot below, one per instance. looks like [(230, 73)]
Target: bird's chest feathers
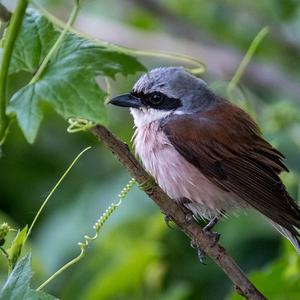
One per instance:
[(152, 147), (173, 173), (176, 176)]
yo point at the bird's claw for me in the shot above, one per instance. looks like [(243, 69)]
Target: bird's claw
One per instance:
[(189, 217), (168, 220), (211, 224), (208, 230), (214, 235), (201, 254)]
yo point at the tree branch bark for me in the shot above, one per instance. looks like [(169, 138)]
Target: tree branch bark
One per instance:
[(204, 241)]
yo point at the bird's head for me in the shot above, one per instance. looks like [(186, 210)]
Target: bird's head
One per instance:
[(165, 91)]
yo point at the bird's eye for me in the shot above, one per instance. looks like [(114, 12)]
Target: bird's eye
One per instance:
[(155, 98)]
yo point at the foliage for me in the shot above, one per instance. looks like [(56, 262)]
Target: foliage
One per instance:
[(279, 280), (136, 257), (17, 284), (68, 84), (63, 67), (14, 251)]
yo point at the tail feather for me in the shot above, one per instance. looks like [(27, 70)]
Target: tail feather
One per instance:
[(294, 239)]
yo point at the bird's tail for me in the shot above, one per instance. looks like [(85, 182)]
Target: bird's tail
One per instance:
[(294, 239)]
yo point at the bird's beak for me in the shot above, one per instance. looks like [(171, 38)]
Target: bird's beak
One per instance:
[(126, 100)]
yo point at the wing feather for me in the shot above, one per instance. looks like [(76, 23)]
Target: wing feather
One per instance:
[(225, 144)]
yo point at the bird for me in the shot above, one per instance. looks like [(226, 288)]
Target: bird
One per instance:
[(206, 153)]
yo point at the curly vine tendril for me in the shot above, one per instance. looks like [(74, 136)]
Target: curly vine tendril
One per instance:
[(97, 227), (105, 216)]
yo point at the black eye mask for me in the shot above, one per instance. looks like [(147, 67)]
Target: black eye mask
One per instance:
[(157, 100)]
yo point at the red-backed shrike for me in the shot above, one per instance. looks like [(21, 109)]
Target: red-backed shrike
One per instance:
[(205, 152)]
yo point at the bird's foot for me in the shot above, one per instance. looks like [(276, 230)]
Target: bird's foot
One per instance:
[(168, 220), (189, 217), (211, 223), (201, 254), (208, 230), (148, 184), (215, 236)]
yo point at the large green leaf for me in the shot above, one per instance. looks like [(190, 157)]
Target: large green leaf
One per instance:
[(17, 284), (68, 84), (36, 37)]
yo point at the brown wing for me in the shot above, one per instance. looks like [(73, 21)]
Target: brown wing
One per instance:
[(226, 146)]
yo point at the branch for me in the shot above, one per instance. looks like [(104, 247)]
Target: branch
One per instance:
[(204, 241)]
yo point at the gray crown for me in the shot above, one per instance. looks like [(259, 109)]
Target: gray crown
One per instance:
[(177, 83)]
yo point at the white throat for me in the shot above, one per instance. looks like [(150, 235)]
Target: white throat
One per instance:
[(144, 116)]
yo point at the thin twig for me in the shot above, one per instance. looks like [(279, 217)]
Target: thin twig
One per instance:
[(204, 241)]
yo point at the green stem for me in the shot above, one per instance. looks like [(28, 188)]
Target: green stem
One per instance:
[(4, 252), (87, 239), (57, 44), (245, 61), (199, 65), (11, 36), (62, 269), (54, 189)]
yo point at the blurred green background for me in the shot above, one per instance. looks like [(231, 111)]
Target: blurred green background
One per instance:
[(137, 256)]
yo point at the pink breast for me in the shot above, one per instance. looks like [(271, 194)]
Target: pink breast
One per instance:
[(177, 177)]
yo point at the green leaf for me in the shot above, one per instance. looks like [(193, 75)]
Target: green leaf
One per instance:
[(69, 82), (16, 247), (44, 296), (89, 56), (17, 284), (36, 37)]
